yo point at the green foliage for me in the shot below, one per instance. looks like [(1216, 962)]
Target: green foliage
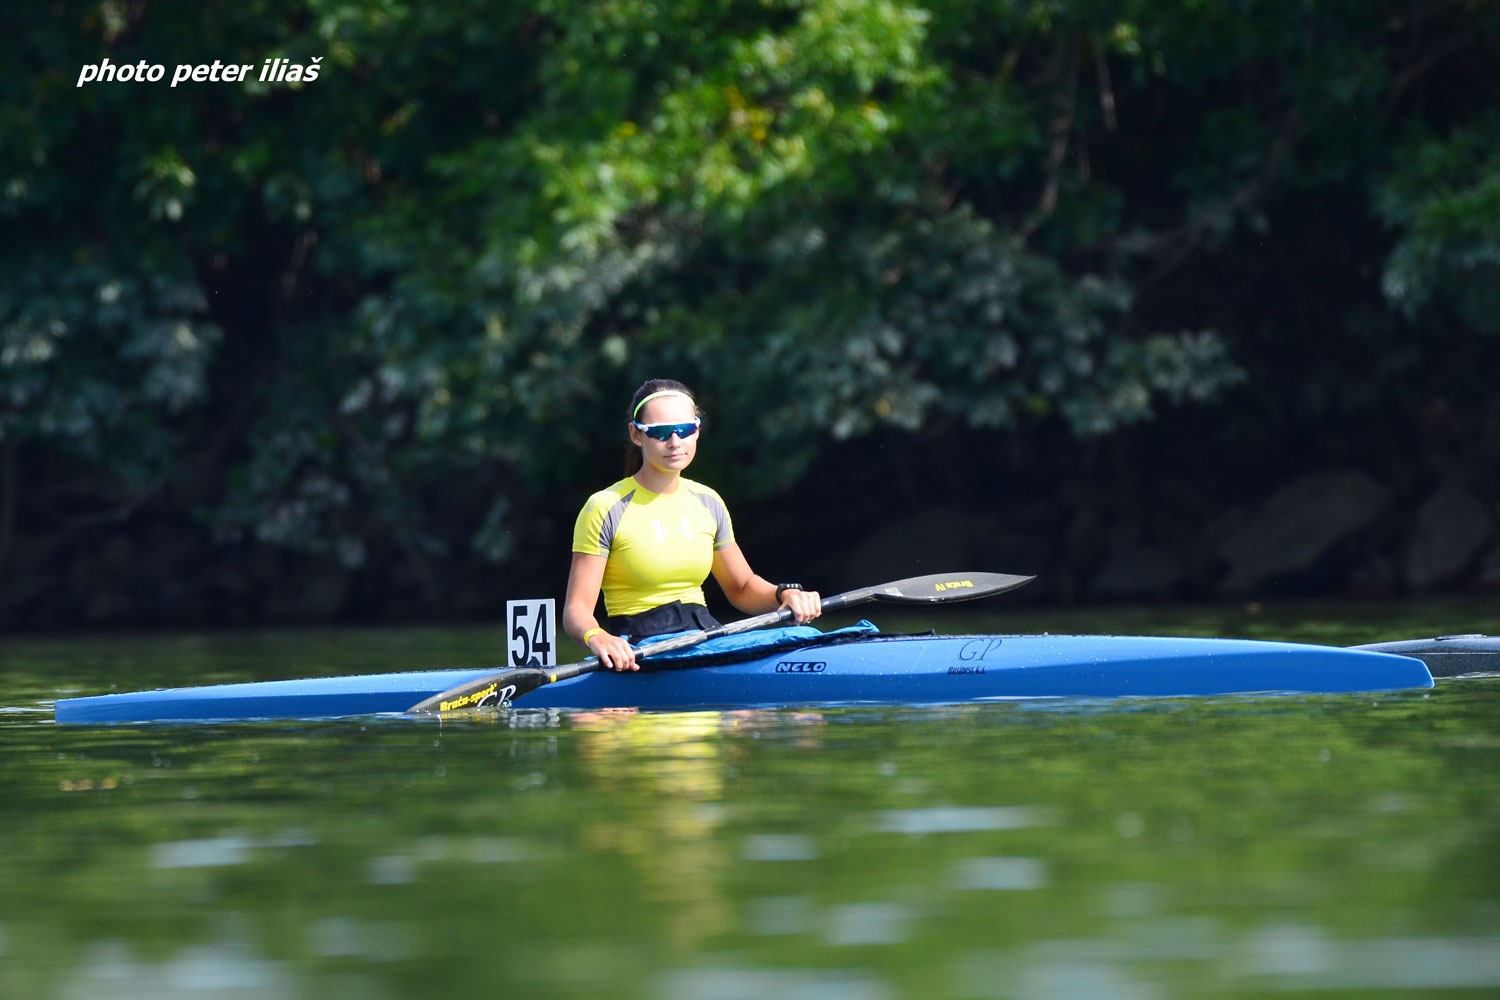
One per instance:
[(440, 268), (763, 203), (1443, 197), (100, 361)]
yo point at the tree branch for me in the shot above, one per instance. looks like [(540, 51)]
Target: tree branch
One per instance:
[(1174, 246), (1409, 75), (1064, 100), (1106, 88)]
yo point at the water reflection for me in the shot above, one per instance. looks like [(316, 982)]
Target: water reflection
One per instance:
[(1285, 958), (779, 847), (206, 853), (1000, 874), (351, 937), (227, 970), (731, 983), (1290, 958), (851, 924), (1189, 848), (391, 869), (780, 915), (1293, 958), (949, 819), (674, 764)]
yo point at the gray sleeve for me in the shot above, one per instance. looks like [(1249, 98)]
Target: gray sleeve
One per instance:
[(612, 521), (723, 530)]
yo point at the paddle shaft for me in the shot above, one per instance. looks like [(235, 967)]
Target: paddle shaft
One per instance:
[(779, 616), (937, 589)]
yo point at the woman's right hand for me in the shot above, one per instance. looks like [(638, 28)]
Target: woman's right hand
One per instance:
[(614, 652)]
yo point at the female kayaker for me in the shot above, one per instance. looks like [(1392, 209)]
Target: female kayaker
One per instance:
[(651, 539)]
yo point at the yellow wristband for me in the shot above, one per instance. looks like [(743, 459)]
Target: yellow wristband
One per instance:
[(590, 634)]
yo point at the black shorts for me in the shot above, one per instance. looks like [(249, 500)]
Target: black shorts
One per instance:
[(663, 620)]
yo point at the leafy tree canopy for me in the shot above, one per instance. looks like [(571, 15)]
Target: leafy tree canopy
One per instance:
[(450, 257)]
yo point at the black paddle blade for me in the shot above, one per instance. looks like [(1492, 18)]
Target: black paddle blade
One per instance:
[(951, 587), (940, 588), (492, 691)]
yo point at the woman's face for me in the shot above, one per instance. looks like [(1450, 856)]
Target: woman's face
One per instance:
[(675, 453)]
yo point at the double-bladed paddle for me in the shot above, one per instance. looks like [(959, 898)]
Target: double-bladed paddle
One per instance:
[(507, 685)]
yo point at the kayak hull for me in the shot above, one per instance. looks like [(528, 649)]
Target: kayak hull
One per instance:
[(889, 670)]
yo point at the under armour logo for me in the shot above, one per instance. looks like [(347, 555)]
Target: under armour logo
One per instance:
[(660, 533)]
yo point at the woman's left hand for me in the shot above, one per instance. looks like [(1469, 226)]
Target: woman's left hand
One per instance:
[(805, 605)]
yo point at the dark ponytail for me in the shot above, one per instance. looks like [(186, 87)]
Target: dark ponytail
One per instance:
[(633, 460)]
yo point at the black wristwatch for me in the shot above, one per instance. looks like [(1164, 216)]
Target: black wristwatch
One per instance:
[(782, 588)]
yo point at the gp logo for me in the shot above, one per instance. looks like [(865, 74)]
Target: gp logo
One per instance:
[(498, 698)]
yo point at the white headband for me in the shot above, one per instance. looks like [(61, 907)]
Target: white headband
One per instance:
[(663, 392)]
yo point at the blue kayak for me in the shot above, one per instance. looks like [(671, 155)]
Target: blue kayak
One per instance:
[(861, 669)]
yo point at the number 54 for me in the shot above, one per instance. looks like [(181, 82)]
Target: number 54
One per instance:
[(532, 625)]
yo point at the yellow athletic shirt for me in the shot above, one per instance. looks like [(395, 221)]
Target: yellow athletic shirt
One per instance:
[(660, 547)]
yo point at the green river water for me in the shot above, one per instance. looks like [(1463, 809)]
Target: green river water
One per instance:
[(1330, 846)]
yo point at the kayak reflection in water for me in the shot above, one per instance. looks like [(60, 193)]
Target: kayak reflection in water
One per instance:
[(649, 541)]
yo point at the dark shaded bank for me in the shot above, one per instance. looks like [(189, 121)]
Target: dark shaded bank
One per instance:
[(1162, 514), (1172, 511)]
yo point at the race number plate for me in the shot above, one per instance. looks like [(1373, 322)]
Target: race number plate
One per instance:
[(533, 632)]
